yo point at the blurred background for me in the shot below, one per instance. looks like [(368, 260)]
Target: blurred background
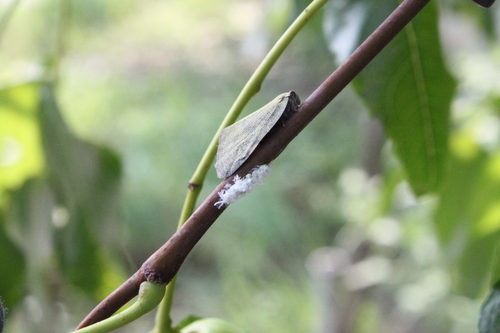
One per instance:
[(94, 169)]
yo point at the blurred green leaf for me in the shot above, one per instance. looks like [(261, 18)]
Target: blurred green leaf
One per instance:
[(21, 154), (22, 99), (188, 320), (467, 219), (474, 266), (84, 174), (12, 269), (211, 325), (495, 276), (29, 219), (455, 213), (487, 201), (406, 86), (86, 179)]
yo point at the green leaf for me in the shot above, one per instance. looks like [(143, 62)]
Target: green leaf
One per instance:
[(495, 276), (188, 320), (459, 206), (22, 99), (210, 325), (406, 86), (30, 221), (12, 269), (86, 180), (21, 154), (467, 217), (84, 174), (474, 266)]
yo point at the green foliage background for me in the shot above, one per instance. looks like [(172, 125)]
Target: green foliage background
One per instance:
[(106, 108)]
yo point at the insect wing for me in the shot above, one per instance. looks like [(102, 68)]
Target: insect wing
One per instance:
[(238, 141)]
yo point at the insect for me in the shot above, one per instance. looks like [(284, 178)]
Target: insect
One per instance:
[(238, 141)]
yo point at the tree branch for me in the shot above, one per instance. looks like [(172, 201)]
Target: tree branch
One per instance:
[(162, 266)]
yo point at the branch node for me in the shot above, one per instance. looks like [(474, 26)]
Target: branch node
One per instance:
[(192, 186)]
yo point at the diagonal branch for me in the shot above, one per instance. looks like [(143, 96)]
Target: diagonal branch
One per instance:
[(162, 266)]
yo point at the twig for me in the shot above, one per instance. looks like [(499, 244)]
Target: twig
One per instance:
[(162, 266), (165, 262)]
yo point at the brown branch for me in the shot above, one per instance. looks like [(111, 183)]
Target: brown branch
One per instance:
[(165, 262), (162, 266), (124, 293)]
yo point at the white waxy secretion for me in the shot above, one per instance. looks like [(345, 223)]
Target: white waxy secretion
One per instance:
[(241, 186), (238, 141)]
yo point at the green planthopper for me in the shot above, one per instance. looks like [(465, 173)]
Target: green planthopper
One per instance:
[(238, 141)]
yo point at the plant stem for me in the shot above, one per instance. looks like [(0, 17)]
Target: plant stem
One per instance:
[(163, 319)]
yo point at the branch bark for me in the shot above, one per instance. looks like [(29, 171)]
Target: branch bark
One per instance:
[(162, 266)]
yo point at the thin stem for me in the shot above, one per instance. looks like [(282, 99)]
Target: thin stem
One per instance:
[(163, 319), (114, 301)]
